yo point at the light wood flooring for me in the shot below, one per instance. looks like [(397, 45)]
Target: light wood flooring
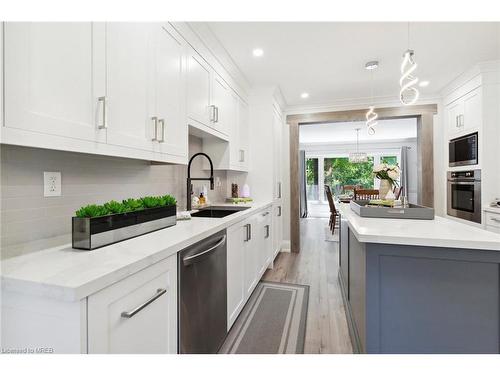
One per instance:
[(317, 266)]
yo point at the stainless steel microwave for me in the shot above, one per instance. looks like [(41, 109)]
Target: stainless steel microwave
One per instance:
[(463, 150)]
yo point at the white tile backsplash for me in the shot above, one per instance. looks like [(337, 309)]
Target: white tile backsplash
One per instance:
[(27, 216)]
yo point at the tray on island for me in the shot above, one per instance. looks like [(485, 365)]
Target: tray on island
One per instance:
[(414, 211)]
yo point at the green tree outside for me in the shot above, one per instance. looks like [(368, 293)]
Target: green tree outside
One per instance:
[(340, 172)]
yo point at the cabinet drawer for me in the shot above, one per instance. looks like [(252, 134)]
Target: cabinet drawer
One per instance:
[(493, 219), (137, 314)]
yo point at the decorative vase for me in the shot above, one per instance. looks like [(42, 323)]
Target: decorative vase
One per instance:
[(385, 187)]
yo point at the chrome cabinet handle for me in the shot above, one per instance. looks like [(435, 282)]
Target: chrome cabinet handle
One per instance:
[(267, 231), (162, 131), (265, 213), (131, 313), (242, 156), (155, 123), (212, 113), (104, 124), (216, 114), (279, 210), (279, 189), (187, 260), (247, 232), (495, 219)]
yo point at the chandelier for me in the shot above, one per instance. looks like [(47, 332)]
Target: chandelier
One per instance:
[(358, 157)]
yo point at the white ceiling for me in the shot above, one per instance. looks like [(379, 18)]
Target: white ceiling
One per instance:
[(345, 132), (327, 59)]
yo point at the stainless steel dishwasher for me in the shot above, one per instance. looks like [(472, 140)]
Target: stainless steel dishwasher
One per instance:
[(203, 295)]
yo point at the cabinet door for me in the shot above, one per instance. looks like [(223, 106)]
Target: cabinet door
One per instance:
[(198, 89), (277, 229), (234, 133), (236, 247), (472, 114), (277, 137), (224, 110), (54, 75), (170, 90), (130, 84), (264, 242), (251, 257), (152, 329), (244, 133), (454, 112)]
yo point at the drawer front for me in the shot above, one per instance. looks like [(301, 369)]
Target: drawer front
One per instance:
[(137, 314), (492, 219)]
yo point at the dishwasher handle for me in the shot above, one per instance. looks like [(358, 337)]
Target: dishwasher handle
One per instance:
[(198, 256)]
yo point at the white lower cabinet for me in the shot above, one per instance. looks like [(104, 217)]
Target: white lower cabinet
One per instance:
[(137, 314), (248, 255)]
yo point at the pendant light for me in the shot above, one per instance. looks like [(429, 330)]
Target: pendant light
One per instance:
[(408, 93), (371, 115), (358, 157)]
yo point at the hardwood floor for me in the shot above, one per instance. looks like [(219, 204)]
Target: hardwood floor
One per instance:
[(317, 266)]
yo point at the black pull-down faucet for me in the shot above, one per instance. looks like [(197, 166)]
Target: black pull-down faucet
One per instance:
[(189, 179)]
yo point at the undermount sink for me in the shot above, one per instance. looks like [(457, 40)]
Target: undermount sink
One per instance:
[(218, 212)]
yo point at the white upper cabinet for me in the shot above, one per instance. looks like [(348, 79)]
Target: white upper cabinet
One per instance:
[(465, 114), (243, 135), (130, 83), (198, 89), (172, 131), (223, 106), (52, 82)]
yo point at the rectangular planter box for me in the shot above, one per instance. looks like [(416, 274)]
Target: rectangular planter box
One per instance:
[(92, 233), (412, 212)]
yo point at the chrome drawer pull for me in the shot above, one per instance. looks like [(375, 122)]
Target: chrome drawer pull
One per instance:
[(495, 219), (129, 314), (155, 124), (162, 124), (104, 125)]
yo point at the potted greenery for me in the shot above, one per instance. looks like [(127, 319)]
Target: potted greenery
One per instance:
[(388, 176), (94, 226)]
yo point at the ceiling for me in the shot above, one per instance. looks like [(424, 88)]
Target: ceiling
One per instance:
[(327, 59), (345, 132)]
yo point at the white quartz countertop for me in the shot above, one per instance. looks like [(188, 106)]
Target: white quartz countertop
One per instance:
[(440, 232), (68, 274)]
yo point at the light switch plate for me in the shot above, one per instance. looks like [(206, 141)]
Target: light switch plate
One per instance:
[(51, 184)]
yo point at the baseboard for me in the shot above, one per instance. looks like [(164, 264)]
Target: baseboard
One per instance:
[(285, 247)]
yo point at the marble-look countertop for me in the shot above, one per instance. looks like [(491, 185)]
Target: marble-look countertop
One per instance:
[(440, 232), (68, 274), (495, 210)]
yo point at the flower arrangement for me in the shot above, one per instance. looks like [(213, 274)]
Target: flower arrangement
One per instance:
[(387, 172)]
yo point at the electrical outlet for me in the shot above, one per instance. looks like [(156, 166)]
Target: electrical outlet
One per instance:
[(51, 184)]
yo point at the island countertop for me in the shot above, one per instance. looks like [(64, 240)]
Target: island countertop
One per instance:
[(440, 232)]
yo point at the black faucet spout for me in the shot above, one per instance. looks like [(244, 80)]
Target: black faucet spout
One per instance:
[(189, 178)]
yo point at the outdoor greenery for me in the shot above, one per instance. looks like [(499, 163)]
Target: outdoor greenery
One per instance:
[(127, 205), (312, 171), (389, 160), (339, 172)]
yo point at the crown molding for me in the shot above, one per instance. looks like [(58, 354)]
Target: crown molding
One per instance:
[(356, 104)]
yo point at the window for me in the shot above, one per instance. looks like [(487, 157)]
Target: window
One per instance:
[(391, 160), (339, 172), (312, 178)]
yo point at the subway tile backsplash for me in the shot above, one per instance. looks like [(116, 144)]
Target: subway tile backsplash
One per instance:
[(27, 217)]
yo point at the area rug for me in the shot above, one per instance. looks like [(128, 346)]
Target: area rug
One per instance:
[(272, 322)]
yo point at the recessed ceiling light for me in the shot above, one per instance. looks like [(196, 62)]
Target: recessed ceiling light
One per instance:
[(424, 83), (304, 95), (370, 65), (258, 52)]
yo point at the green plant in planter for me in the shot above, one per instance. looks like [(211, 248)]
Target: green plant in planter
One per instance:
[(114, 207), (132, 204), (127, 205), (92, 210)]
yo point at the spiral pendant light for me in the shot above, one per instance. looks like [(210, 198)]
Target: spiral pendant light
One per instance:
[(371, 115), (408, 93)]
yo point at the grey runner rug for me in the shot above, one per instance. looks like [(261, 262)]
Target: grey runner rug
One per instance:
[(272, 322)]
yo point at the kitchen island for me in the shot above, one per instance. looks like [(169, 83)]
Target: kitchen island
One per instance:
[(419, 286)]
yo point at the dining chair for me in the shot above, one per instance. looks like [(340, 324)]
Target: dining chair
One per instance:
[(397, 192), (333, 211), (351, 188), (366, 194)]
